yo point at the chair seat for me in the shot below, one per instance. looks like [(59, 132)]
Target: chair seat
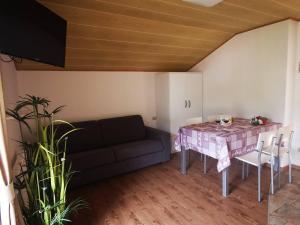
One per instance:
[(252, 158)]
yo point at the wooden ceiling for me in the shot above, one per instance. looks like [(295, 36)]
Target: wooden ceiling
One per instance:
[(154, 35)]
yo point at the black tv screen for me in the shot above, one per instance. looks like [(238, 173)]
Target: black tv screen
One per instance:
[(30, 30)]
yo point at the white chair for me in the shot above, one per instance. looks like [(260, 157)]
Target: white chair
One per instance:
[(284, 148), (257, 158), (191, 121), (285, 136)]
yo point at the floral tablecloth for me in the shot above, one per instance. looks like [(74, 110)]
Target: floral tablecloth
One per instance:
[(222, 143)]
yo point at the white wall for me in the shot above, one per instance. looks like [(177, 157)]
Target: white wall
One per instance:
[(291, 70), (296, 99), (10, 93), (245, 76), (254, 74), (94, 95)]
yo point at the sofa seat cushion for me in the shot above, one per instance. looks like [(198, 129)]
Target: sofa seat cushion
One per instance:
[(91, 158), (137, 148), (122, 129)]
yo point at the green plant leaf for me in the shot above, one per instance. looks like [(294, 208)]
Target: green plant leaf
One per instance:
[(44, 176)]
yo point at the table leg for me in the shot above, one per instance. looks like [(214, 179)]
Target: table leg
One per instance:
[(183, 159), (247, 170), (225, 187), (243, 170), (205, 164)]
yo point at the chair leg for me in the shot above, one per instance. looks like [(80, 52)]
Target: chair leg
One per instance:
[(290, 168), (201, 155), (272, 176), (279, 174), (259, 183), (243, 170), (205, 166), (290, 173)]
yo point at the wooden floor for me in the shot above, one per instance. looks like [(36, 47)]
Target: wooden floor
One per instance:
[(161, 195), (284, 206)]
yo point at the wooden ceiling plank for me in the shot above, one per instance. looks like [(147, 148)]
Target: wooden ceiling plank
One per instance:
[(231, 11), (164, 35), (142, 44), (140, 53), (123, 46), (123, 62), (85, 53), (246, 13), (94, 18), (100, 60), (293, 5), (30, 65), (146, 12), (80, 53), (215, 16), (112, 62), (130, 36), (99, 68), (267, 7), (190, 12)]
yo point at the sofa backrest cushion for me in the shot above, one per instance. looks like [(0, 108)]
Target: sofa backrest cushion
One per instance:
[(87, 138), (122, 129)]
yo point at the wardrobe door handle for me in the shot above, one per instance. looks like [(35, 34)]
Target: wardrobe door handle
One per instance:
[(190, 104), (185, 103)]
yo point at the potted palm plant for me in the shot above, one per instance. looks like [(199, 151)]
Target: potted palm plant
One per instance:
[(44, 175)]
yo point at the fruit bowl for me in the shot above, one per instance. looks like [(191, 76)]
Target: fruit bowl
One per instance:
[(259, 120)]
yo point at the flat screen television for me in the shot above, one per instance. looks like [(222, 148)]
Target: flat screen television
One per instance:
[(30, 30)]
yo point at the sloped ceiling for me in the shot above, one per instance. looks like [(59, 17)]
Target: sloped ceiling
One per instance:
[(154, 35)]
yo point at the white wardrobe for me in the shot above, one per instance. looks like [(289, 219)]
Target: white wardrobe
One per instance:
[(178, 97)]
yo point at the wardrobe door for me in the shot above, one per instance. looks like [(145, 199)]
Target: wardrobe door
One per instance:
[(194, 94), (178, 100)]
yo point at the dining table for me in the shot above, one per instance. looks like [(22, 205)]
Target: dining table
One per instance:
[(220, 142)]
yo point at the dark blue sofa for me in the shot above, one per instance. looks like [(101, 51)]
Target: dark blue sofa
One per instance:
[(108, 147)]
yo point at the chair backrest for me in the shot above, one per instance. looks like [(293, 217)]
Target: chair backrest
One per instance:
[(285, 133), (193, 120), (285, 136), (266, 140)]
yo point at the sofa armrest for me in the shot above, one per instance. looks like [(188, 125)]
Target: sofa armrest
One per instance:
[(164, 137)]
